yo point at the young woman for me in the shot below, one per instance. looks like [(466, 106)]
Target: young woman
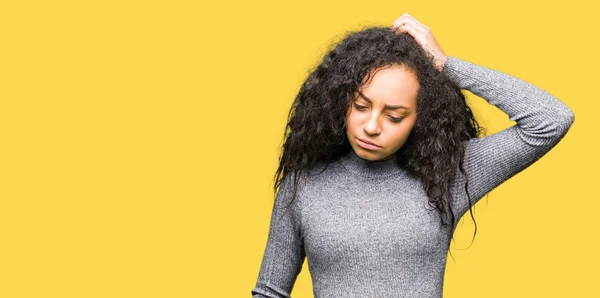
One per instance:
[(382, 158)]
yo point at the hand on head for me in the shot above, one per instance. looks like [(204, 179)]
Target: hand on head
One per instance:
[(421, 33)]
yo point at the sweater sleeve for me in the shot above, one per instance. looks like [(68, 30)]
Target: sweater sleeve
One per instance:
[(284, 253), (541, 122)]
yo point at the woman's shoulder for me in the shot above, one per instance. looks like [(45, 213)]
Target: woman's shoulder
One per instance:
[(319, 173), (323, 169)]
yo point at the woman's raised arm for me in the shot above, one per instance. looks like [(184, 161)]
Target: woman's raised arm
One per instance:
[(541, 122), (542, 119)]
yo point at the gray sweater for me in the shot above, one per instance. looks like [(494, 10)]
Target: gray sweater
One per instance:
[(365, 226)]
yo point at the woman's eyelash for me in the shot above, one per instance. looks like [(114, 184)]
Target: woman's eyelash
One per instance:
[(394, 119), (359, 107), (362, 108)]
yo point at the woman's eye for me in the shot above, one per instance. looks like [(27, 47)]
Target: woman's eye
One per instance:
[(362, 108), (359, 107), (396, 120)]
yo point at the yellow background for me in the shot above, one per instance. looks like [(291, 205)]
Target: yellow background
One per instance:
[(139, 139)]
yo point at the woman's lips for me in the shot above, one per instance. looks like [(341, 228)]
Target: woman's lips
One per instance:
[(367, 145)]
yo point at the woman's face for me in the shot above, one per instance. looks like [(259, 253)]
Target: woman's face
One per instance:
[(383, 113)]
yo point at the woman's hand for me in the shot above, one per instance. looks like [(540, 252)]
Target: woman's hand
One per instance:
[(421, 33)]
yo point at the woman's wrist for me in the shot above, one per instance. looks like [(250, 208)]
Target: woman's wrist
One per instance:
[(440, 62)]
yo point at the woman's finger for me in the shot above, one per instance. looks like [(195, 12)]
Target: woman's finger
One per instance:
[(408, 28), (411, 28), (422, 35), (406, 18), (421, 25), (399, 19), (417, 26)]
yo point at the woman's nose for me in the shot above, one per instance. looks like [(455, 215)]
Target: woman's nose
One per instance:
[(372, 126)]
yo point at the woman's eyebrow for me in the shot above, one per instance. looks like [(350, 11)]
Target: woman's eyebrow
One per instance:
[(386, 106)]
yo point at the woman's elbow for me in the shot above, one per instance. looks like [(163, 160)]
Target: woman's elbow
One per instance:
[(565, 119)]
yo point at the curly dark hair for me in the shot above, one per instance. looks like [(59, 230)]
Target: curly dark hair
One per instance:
[(316, 126)]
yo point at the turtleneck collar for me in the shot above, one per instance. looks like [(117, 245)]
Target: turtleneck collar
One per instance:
[(367, 168)]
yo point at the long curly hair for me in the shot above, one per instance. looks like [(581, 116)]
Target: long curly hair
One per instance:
[(316, 124)]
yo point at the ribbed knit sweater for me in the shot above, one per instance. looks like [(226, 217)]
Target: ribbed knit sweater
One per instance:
[(366, 228)]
